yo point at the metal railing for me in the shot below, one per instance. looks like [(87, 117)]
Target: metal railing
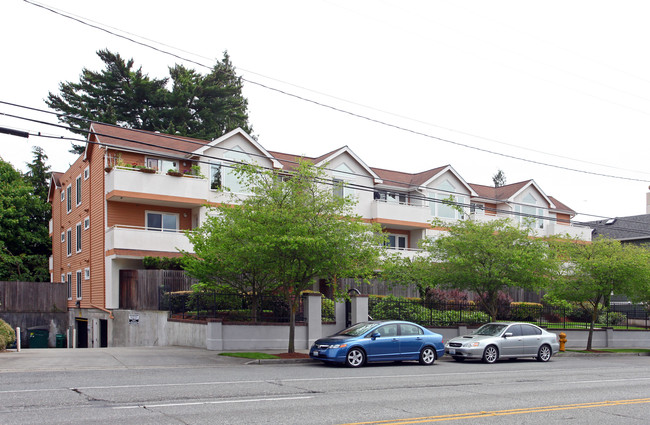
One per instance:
[(442, 314)]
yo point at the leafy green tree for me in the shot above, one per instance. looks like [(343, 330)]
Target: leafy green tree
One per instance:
[(289, 232), (24, 238), (488, 258), (593, 271), (200, 106), (499, 179), (404, 271)]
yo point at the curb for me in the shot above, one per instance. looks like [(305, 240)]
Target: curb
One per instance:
[(280, 361)]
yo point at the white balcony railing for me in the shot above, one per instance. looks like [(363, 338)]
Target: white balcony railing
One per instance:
[(138, 238), (402, 212), (162, 185)]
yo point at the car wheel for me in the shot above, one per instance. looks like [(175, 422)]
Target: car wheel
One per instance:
[(491, 354), (544, 354), (355, 358), (427, 356), (459, 358)]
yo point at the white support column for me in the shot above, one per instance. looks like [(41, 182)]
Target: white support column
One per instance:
[(359, 308), (214, 335), (313, 313)]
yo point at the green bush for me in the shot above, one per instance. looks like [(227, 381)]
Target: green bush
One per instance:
[(393, 308), (612, 319), (525, 312), (328, 312), (7, 335)]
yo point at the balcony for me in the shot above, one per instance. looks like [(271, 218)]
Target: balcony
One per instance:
[(129, 185), (411, 215), (550, 227), (141, 239)]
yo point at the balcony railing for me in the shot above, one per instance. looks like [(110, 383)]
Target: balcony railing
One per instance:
[(139, 238), (188, 189)]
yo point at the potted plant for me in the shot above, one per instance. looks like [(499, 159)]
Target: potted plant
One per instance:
[(173, 172)]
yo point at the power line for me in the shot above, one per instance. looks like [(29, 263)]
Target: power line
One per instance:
[(356, 115), (330, 182)]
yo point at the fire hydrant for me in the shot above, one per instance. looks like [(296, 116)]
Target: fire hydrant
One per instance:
[(562, 340)]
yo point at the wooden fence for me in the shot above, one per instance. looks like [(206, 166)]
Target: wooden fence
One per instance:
[(33, 297), (142, 289)]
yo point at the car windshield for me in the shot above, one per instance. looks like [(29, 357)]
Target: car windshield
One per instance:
[(358, 329), (491, 329)]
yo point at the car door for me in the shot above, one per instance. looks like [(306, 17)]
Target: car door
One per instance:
[(532, 337), (512, 345), (410, 340), (385, 346)]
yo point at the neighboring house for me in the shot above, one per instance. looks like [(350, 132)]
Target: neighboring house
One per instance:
[(118, 204), (634, 229)]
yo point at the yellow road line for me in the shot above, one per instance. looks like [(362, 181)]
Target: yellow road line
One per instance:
[(474, 415)]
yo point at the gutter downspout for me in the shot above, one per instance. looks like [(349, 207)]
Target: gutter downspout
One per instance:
[(104, 310)]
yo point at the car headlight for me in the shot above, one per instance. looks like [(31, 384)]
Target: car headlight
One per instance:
[(338, 346), (471, 344)]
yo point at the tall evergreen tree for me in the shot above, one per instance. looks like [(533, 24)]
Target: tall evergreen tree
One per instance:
[(200, 106), (24, 238)]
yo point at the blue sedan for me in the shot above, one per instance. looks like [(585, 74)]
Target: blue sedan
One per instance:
[(379, 341)]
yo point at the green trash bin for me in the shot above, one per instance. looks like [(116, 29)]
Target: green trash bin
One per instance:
[(38, 336), (61, 341)]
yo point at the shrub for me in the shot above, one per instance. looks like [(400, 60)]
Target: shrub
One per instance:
[(612, 318), (525, 312), (7, 334), (328, 312)]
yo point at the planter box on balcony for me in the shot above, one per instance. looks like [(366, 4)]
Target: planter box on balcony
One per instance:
[(174, 173)]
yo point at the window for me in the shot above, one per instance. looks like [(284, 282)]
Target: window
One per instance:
[(410, 330), (162, 165), (391, 197), (78, 190), (78, 284), (69, 282), (62, 237), (87, 273), (215, 176), (86, 173), (68, 191), (62, 195), (530, 330), (341, 181), (396, 241), (387, 331), (166, 222), (477, 209), (78, 235), (68, 235), (445, 204), (63, 277), (530, 214), (86, 223)]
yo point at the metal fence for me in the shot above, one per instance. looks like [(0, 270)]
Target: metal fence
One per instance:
[(443, 314), (229, 307)]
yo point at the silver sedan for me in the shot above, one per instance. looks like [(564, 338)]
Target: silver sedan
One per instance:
[(497, 340)]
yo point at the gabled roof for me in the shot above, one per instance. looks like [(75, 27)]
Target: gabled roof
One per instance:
[(55, 183), (230, 134), (329, 157), (507, 193), (144, 141), (561, 207)]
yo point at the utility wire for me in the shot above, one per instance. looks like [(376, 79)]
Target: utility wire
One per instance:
[(353, 114), (329, 182)]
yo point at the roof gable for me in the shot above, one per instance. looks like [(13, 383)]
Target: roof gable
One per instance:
[(238, 131)]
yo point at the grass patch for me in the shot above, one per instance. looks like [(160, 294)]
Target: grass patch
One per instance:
[(251, 355)]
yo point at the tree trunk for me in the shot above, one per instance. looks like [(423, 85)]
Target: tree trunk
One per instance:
[(292, 327), (594, 317)]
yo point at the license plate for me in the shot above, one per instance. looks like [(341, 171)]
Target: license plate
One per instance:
[(452, 351)]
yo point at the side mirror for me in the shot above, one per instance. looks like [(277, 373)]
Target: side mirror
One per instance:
[(375, 335), (507, 334)]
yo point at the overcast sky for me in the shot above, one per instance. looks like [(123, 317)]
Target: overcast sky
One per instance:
[(563, 83)]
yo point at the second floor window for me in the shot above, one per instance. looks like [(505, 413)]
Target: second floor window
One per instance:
[(78, 237), (78, 284), (69, 284), (68, 236), (160, 221)]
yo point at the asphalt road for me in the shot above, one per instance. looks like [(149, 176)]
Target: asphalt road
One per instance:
[(191, 386)]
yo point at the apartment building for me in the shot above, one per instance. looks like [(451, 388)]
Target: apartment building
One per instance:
[(133, 193)]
